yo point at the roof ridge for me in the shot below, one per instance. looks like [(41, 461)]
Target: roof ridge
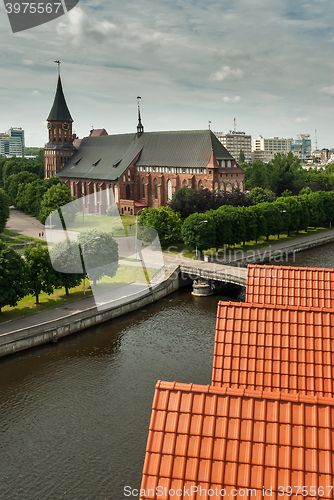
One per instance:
[(234, 391), (266, 305)]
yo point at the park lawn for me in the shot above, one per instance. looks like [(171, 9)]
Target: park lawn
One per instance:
[(125, 274), (27, 304), (19, 236), (9, 241), (119, 227)]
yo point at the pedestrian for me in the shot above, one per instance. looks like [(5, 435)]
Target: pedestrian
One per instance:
[(39, 235), (42, 234)]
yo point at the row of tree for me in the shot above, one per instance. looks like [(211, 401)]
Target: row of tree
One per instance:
[(187, 201), (235, 225), (35, 196), (229, 225), (39, 270)]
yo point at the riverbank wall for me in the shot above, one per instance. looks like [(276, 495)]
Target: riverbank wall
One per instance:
[(278, 253), (50, 331)]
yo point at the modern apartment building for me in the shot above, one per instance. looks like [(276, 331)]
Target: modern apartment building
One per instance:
[(265, 149), (302, 146), (12, 142), (234, 141)]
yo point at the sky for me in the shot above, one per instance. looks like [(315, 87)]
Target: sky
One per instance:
[(268, 64)]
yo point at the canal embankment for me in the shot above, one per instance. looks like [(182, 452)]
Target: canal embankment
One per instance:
[(277, 253), (57, 322)]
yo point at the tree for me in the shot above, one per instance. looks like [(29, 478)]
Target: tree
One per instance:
[(99, 253), (315, 205), (225, 220), (328, 204), (12, 277), (66, 262), (260, 195), (249, 222), (260, 221), (283, 169), (39, 271), (4, 209), (13, 182), (272, 215), (29, 196), (241, 158), (57, 196), (196, 232), (113, 211), (165, 221), (256, 175)]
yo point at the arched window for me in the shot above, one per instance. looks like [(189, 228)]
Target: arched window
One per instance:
[(143, 188), (127, 192), (169, 189), (185, 184), (200, 185), (155, 189), (229, 164)]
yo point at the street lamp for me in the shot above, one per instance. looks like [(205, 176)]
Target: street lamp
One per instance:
[(202, 222), (83, 257), (137, 230)]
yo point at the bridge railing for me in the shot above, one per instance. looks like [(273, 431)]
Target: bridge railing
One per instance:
[(225, 275)]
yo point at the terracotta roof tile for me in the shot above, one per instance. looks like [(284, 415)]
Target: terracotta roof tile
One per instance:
[(278, 348), (298, 286), (210, 437)]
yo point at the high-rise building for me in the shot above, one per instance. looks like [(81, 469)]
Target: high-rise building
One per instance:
[(235, 141), (12, 142), (265, 149), (302, 146)]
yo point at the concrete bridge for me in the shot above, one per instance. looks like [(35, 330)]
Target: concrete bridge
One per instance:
[(208, 277), (218, 272)]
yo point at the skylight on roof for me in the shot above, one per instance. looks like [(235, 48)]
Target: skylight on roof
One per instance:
[(117, 163), (76, 163)]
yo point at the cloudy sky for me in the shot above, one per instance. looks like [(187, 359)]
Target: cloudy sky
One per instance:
[(269, 64)]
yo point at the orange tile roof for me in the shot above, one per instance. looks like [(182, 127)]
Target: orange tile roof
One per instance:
[(275, 348), (209, 437), (298, 286)]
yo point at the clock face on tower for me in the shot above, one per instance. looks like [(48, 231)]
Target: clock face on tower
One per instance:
[(65, 126), (49, 125)]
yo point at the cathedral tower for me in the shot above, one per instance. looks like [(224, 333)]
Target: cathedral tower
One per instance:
[(59, 148)]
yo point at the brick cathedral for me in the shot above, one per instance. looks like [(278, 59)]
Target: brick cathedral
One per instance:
[(143, 169)]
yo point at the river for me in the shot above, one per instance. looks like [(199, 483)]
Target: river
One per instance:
[(74, 416)]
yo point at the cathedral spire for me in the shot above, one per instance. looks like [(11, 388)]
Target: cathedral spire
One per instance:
[(140, 128), (59, 110)]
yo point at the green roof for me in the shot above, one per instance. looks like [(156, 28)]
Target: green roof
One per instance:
[(59, 110), (114, 153)]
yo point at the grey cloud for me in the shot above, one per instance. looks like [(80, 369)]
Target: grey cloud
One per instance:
[(328, 90)]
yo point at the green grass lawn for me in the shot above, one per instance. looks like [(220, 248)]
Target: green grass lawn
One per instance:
[(125, 274), (27, 304), (119, 226), (21, 237)]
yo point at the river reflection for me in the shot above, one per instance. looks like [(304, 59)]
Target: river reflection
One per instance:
[(74, 416), (315, 257)]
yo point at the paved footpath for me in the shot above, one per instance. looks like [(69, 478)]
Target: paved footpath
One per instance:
[(29, 226), (24, 224)]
